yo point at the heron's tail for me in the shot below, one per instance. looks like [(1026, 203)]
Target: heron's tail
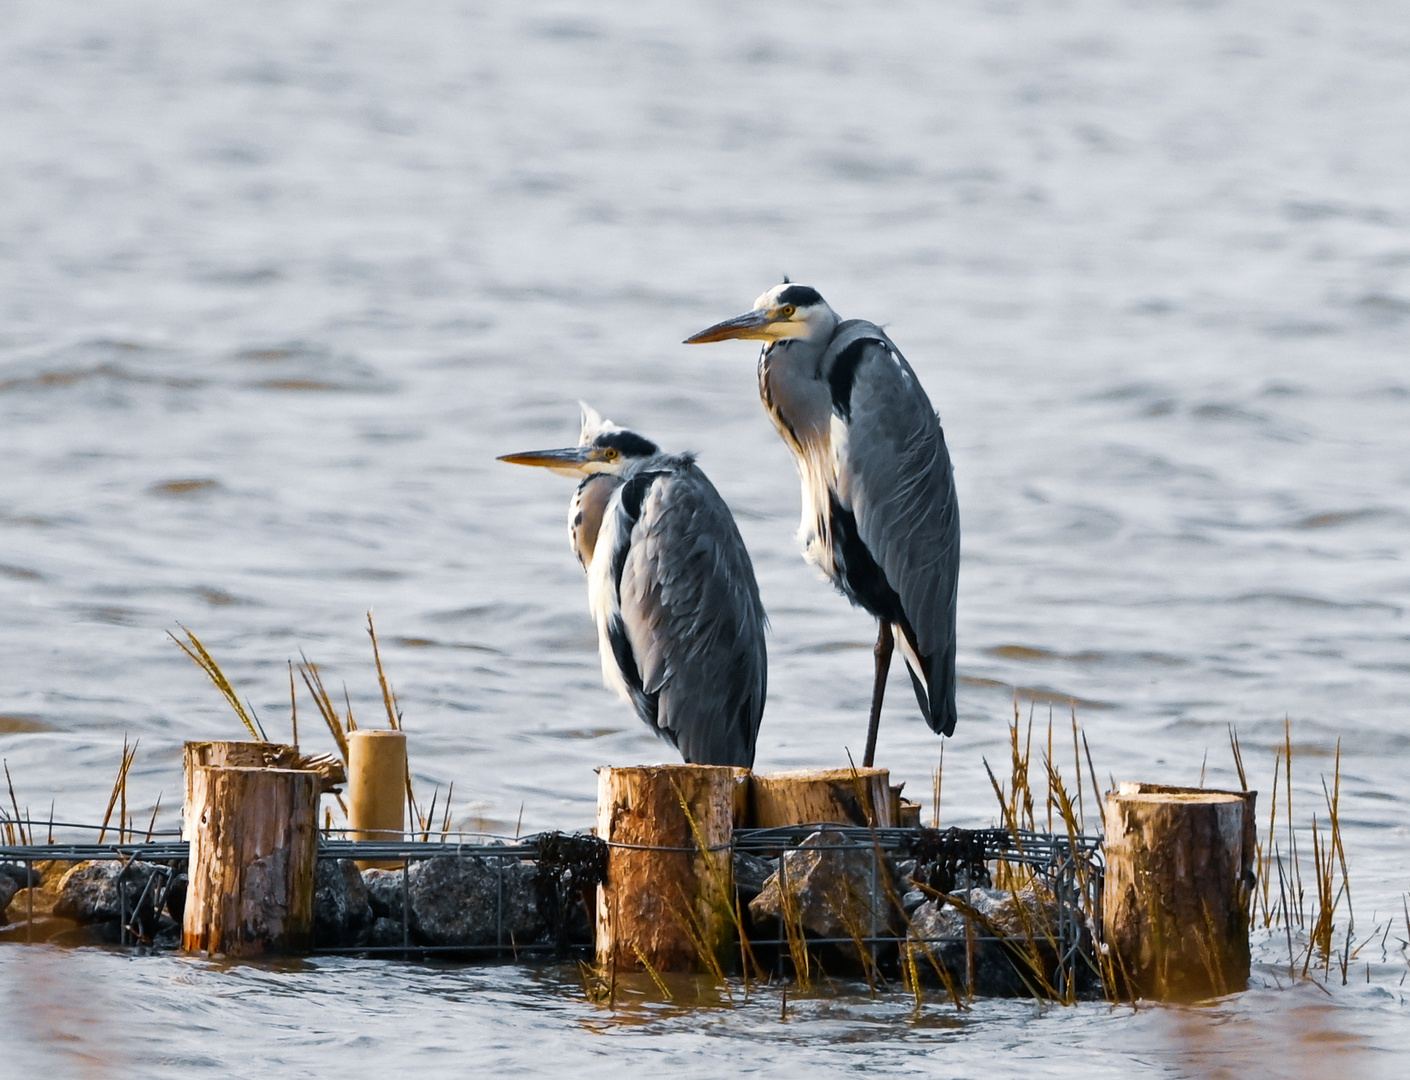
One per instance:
[(935, 690)]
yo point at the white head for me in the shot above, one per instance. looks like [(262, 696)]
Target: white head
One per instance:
[(785, 311), (603, 447)]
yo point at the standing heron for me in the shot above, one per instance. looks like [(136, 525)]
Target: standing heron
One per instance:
[(880, 517), (680, 627)]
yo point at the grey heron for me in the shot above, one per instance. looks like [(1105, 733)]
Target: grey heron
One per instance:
[(671, 588), (880, 517)]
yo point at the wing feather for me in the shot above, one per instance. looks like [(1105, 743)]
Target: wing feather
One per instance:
[(894, 475), (689, 607)]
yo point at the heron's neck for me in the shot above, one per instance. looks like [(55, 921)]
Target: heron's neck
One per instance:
[(585, 514), (795, 394)]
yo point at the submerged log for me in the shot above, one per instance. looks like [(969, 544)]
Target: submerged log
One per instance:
[(808, 797), (668, 901), (254, 844), (1179, 876)]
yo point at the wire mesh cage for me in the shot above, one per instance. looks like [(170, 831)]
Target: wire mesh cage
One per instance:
[(960, 902)]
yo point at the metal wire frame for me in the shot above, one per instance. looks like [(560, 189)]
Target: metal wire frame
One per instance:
[(1070, 867)]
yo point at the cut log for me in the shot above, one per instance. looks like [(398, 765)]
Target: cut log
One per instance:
[(377, 789), (259, 755), (243, 755), (254, 845), (1179, 877), (668, 901), (843, 796)]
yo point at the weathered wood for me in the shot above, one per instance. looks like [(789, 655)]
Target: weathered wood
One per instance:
[(254, 845), (845, 796), (376, 788), (257, 755), (231, 754), (1179, 876), (669, 895)]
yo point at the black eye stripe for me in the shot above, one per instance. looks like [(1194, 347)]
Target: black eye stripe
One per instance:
[(800, 296), (628, 442)]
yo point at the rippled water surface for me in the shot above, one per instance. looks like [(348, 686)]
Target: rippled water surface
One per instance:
[(278, 282)]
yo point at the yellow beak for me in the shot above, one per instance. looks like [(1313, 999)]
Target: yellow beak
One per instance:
[(752, 324)]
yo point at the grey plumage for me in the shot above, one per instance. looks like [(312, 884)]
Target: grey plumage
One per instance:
[(671, 589), (880, 517)]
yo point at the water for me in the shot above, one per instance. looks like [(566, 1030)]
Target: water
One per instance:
[(277, 284)]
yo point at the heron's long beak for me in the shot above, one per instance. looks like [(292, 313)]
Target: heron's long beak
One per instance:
[(571, 461), (752, 324)]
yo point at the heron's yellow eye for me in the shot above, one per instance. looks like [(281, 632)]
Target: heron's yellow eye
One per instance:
[(786, 312), (610, 454)]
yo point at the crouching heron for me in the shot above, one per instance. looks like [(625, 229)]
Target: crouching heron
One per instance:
[(879, 512), (680, 627)]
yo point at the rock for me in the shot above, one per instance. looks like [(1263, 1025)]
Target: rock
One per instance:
[(39, 899), (8, 887), (836, 888), (456, 901), (176, 897), (750, 874), (105, 889), (341, 911), (21, 875), (1022, 965), (384, 893), (386, 933)]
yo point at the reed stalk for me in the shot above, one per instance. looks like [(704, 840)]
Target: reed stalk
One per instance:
[(203, 660), (119, 787)]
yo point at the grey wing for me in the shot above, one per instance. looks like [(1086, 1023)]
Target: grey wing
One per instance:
[(896, 478), (691, 612)]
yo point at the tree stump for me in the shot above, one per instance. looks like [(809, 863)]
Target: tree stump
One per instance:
[(805, 797), (246, 754), (668, 901), (377, 789), (1179, 877), (254, 845)]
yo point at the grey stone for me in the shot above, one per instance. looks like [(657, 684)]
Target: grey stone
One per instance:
[(384, 892), (8, 887), (836, 888), (1019, 968), (22, 875), (457, 901), (750, 874), (341, 911), (385, 933), (104, 889)]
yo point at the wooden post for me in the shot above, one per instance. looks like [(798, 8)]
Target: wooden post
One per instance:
[(254, 844), (1179, 876), (377, 788), (845, 796), (247, 754), (667, 902)]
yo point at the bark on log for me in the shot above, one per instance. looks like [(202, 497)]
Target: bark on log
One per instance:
[(1179, 877), (377, 789), (845, 796), (669, 896), (254, 845)]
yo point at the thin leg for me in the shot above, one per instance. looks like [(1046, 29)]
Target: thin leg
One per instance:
[(884, 644)]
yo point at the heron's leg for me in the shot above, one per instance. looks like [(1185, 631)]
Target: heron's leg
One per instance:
[(884, 644)]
